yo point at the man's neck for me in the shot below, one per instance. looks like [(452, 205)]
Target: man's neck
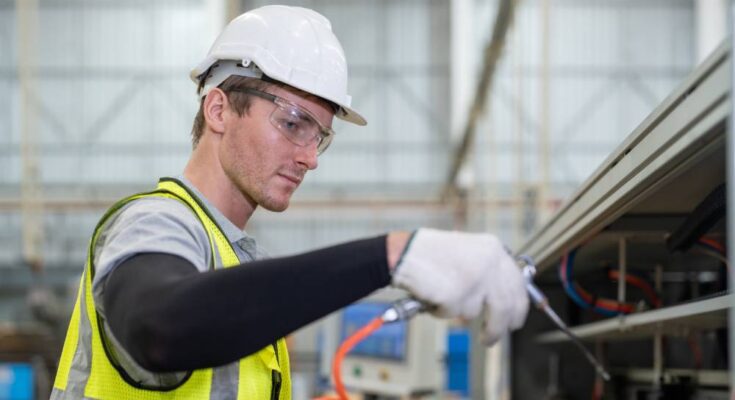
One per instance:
[(219, 190)]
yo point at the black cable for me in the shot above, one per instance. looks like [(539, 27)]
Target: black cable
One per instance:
[(712, 209)]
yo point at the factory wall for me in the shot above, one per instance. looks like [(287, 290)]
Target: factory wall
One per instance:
[(114, 106)]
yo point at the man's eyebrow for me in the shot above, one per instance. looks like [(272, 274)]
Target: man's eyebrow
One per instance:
[(305, 115)]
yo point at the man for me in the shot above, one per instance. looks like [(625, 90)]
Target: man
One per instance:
[(161, 315)]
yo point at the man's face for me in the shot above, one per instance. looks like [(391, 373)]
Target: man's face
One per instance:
[(260, 161)]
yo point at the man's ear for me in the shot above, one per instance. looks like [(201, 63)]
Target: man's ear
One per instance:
[(215, 105)]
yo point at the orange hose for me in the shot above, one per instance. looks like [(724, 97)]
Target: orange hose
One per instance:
[(345, 348), (608, 304), (712, 243), (641, 284)]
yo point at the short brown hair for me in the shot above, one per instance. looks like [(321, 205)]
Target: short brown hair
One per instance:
[(239, 102)]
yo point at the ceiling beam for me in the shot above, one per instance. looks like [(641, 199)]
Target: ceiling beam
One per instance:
[(493, 51)]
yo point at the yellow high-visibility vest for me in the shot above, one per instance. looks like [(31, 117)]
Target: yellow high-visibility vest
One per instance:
[(263, 375)]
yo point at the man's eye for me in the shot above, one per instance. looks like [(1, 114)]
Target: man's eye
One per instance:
[(290, 125)]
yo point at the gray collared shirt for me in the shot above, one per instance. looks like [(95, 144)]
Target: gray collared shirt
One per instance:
[(160, 225)]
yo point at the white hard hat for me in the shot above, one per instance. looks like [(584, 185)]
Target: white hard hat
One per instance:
[(292, 45)]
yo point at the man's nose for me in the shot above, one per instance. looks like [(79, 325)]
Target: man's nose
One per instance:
[(308, 156)]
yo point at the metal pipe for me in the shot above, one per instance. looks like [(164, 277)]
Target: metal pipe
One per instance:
[(658, 338), (31, 197), (96, 203), (710, 26), (730, 151), (545, 120), (493, 51), (622, 267)]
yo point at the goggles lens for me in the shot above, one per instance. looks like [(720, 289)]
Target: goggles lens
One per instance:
[(299, 126), (296, 123)]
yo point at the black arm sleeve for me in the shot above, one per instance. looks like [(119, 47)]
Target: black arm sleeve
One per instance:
[(171, 317)]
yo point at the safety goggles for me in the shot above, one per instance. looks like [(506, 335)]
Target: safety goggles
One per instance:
[(297, 124)]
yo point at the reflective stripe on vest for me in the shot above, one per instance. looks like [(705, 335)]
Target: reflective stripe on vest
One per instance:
[(85, 370)]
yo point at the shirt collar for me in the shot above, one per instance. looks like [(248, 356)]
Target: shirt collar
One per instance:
[(232, 232)]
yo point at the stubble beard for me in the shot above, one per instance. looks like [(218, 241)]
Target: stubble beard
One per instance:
[(261, 197)]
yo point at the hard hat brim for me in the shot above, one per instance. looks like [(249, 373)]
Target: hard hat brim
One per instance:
[(350, 115), (344, 113)]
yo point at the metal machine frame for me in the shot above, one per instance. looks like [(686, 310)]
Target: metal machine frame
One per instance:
[(660, 172)]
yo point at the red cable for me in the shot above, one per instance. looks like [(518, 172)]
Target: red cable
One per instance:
[(601, 302), (345, 348), (598, 389), (609, 304), (713, 243), (639, 283), (696, 351)]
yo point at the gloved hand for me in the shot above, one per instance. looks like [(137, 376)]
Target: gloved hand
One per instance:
[(459, 273)]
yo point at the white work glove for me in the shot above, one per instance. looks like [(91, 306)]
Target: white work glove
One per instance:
[(460, 272)]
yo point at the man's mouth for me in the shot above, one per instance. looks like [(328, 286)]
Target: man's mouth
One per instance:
[(296, 180)]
